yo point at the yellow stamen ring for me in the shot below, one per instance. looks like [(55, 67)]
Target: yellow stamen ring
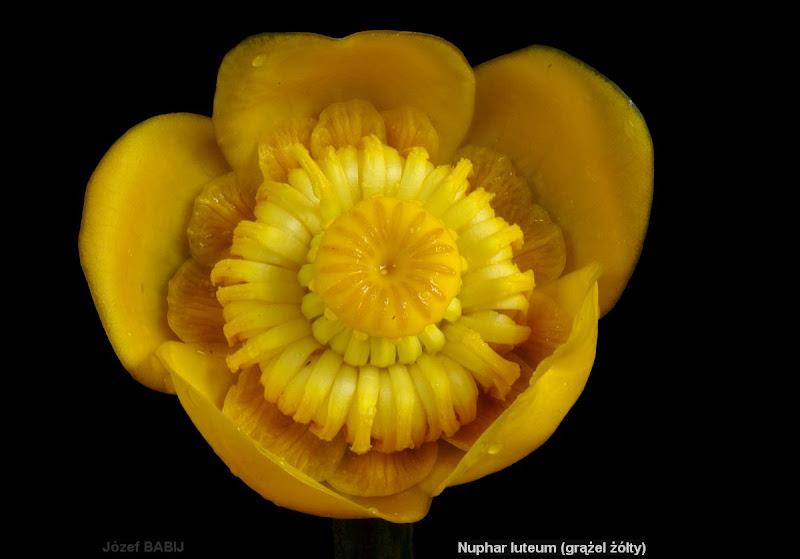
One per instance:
[(368, 292)]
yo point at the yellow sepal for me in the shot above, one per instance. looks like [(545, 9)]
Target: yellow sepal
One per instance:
[(202, 379), (555, 386), (133, 231), (271, 78), (583, 147)]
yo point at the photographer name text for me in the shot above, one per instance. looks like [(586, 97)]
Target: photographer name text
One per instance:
[(142, 546)]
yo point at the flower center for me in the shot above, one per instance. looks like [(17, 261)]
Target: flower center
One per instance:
[(387, 268), (375, 292)]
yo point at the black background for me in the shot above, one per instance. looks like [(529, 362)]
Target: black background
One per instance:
[(124, 463)]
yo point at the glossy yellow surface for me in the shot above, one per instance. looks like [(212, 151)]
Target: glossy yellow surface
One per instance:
[(579, 142), (584, 148), (133, 232), (554, 387), (202, 379), (406, 280), (271, 78)]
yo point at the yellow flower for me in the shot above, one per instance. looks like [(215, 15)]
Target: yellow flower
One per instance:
[(375, 272)]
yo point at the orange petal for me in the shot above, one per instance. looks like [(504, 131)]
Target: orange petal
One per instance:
[(544, 251), (274, 156), (377, 474), (344, 124), (194, 313), (407, 127), (133, 232), (550, 327), (271, 78), (555, 386), (278, 433), (220, 206), (202, 380), (584, 149)]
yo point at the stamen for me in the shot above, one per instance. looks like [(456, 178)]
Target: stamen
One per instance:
[(417, 168), (357, 352), (258, 318), (332, 414), (481, 294), (384, 431), (277, 216), (231, 271), (341, 187), (280, 370), (267, 244), (340, 342), (466, 347), (453, 188), (294, 202), (267, 344), (440, 387), (289, 400), (300, 181), (319, 384), (325, 329), (432, 338), (268, 291), (359, 424), (495, 327), (423, 389), (463, 389), (329, 202), (409, 349), (433, 182), (372, 169), (382, 352), (407, 406)]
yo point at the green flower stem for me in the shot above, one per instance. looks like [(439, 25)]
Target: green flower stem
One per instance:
[(372, 538)]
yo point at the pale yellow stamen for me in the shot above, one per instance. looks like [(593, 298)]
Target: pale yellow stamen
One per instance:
[(362, 414), (279, 371)]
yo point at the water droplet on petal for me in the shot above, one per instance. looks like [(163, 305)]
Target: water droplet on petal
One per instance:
[(494, 448), (259, 60)]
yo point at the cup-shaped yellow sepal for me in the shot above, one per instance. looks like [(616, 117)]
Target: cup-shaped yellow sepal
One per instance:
[(133, 231), (270, 79), (583, 147), (202, 379), (554, 387)]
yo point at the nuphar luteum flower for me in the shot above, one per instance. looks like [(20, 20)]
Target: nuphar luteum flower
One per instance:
[(375, 272)]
